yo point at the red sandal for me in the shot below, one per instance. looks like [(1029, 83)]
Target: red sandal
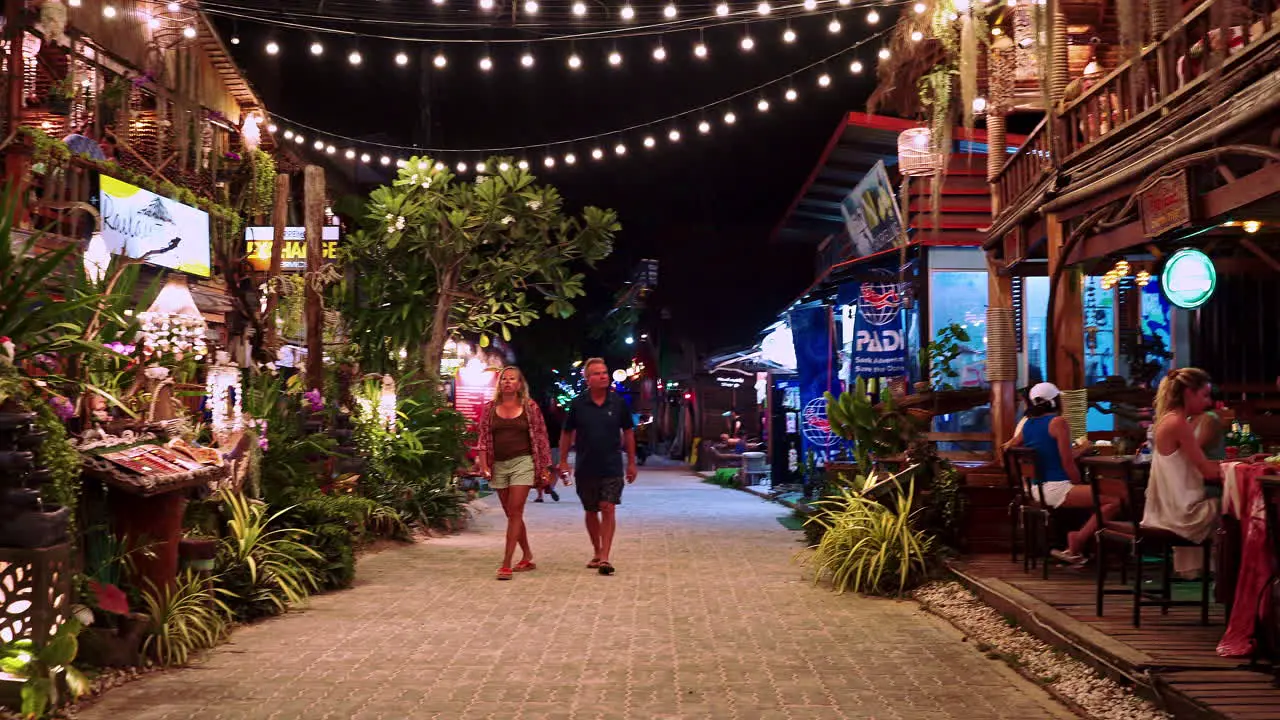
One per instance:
[(525, 566), (504, 573)]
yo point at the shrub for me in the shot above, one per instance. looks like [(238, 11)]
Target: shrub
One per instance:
[(262, 571), (185, 617)]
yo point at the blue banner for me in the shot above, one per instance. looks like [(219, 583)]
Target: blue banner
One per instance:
[(813, 332), (879, 337)]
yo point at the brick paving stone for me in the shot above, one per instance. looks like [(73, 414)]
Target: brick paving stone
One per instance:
[(708, 617)]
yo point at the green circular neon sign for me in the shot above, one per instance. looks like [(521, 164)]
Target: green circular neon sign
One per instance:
[(1189, 279)]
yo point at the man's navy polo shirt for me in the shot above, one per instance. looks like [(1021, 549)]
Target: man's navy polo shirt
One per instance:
[(598, 434)]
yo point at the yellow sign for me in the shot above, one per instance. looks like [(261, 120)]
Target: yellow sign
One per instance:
[(293, 257)]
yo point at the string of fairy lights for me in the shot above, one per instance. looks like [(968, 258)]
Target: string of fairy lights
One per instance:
[(700, 121)]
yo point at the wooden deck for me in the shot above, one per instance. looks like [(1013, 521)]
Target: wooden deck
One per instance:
[(1171, 658)]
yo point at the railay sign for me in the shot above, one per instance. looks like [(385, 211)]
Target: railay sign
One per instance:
[(1189, 279), (1166, 205)]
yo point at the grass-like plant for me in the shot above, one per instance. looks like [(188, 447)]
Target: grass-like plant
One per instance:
[(262, 571), (867, 546), (185, 617)]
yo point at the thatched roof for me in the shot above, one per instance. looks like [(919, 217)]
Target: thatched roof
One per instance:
[(909, 60)]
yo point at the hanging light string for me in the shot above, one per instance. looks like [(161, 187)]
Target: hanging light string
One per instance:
[(297, 131), (728, 18)]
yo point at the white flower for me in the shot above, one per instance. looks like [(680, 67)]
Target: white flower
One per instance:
[(535, 204), (426, 183), (399, 225), (156, 372), (508, 220)]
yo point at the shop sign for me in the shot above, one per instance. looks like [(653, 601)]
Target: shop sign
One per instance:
[(879, 340), (293, 258), (1166, 205), (871, 214), (136, 222), (732, 382), (1189, 279)]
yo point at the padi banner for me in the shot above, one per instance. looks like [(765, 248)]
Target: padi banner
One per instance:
[(871, 214), (879, 339), (812, 331)]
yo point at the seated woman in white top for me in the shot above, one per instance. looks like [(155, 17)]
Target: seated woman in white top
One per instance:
[(1176, 498)]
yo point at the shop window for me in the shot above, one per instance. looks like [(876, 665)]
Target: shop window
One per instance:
[(960, 297), (1157, 328), (1036, 306), (1100, 357)]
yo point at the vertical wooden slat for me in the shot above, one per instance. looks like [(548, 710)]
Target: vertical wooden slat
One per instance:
[(279, 220), (313, 189)]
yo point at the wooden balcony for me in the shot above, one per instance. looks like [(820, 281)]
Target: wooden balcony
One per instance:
[(1106, 122)]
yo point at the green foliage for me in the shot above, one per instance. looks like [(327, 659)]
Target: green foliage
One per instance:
[(868, 547), (262, 190), (42, 668), (724, 477), (186, 617), (937, 357), (337, 524), (262, 571), (878, 429), (60, 459), (488, 256)]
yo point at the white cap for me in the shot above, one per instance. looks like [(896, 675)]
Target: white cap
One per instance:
[(1044, 393)]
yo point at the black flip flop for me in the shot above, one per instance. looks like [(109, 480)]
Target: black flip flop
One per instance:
[(605, 568)]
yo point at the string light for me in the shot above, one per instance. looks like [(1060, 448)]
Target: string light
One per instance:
[(319, 145), (811, 5), (670, 11), (834, 26), (788, 35), (597, 153), (272, 128), (620, 149), (109, 11), (273, 48), (317, 49), (440, 60), (791, 95), (762, 105), (764, 8), (920, 8), (855, 67), (486, 63), (615, 58), (575, 62), (350, 154), (579, 8), (330, 150), (916, 36), (531, 7), (570, 158), (700, 50), (649, 142), (659, 53), (722, 9), (355, 58), (235, 39), (504, 166), (526, 60), (364, 157), (188, 32), (846, 3), (174, 7), (486, 4), (747, 43), (824, 80), (674, 135), (730, 118), (884, 53), (873, 17), (704, 127), (385, 160), (462, 167), (628, 12), (523, 164), (402, 59), (549, 161)]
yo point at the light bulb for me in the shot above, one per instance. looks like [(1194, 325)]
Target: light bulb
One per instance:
[(173, 7), (235, 39), (659, 53), (319, 145), (722, 9), (109, 11), (570, 158), (730, 118), (579, 9), (402, 59), (597, 153), (317, 48), (834, 25), (531, 7), (824, 80), (1251, 226), (575, 62), (788, 35), (979, 105), (486, 4), (523, 164), (526, 60), (504, 166), (855, 67), (364, 157), (549, 161), (700, 50), (920, 8), (462, 167), (273, 47), (288, 134), (615, 58), (649, 141), (628, 12), (350, 154), (704, 127), (188, 32), (764, 8), (762, 105), (883, 54), (440, 60), (674, 136), (620, 149), (355, 58), (669, 11), (791, 95), (747, 43), (873, 17), (846, 2), (486, 63), (330, 150), (385, 160), (481, 167), (916, 36), (810, 4), (299, 139)]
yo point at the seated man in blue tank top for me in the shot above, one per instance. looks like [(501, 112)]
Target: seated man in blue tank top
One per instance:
[(1045, 431)]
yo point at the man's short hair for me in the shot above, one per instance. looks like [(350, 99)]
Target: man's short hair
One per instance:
[(586, 366)]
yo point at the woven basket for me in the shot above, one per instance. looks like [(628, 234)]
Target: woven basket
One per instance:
[(916, 154), (1075, 408)]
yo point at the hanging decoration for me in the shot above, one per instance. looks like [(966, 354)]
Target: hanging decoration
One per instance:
[(916, 154), (968, 64)]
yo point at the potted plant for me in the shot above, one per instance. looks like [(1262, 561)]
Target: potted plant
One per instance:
[(61, 95), (113, 98)]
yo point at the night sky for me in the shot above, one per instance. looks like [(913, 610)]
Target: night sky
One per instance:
[(705, 207)]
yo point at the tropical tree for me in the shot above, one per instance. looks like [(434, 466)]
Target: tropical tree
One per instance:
[(442, 256)]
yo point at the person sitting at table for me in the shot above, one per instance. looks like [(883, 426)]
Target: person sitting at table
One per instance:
[(1046, 432), (1176, 498)]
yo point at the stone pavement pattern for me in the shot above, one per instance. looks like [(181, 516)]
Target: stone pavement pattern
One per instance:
[(707, 617)]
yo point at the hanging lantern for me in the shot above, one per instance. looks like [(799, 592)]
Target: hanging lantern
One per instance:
[(916, 153), (1143, 278)]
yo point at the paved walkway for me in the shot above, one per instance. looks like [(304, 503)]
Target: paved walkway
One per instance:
[(707, 617)]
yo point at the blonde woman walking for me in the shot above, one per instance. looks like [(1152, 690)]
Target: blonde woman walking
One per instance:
[(515, 456)]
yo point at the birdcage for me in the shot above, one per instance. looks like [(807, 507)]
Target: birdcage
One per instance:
[(917, 155)]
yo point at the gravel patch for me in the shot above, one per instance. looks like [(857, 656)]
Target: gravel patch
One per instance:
[(1072, 681)]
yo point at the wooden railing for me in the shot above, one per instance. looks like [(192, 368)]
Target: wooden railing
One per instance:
[(1185, 57), (1025, 167)]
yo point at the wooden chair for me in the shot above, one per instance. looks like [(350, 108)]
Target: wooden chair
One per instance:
[(1133, 540), (1031, 514), (1013, 459)]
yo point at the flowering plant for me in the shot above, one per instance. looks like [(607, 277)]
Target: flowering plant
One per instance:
[(232, 155), (177, 335), (312, 400), (62, 407)]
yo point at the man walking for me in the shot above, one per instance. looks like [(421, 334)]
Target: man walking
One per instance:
[(599, 425)]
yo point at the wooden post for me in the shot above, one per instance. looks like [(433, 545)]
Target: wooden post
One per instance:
[(313, 189), (1004, 403), (1067, 353), (14, 29), (280, 220)]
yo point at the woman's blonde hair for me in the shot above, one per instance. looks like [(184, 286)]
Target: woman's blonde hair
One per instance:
[(1173, 387), (522, 391)]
